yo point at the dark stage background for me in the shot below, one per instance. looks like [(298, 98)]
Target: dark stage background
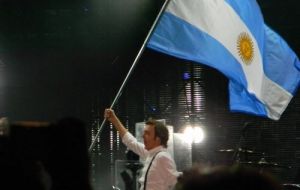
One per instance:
[(69, 58)]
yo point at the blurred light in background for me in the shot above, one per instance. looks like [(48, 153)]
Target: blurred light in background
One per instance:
[(186, 76), (193, 134)]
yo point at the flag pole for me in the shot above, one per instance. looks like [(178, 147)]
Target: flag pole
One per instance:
[(131, 69)]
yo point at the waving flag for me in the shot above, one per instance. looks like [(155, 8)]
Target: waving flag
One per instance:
[(230, 36)]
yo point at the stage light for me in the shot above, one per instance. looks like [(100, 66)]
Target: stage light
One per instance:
[(193, 134), (198, 134)]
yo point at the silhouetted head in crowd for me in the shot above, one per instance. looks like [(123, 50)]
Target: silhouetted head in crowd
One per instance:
[(53, 156), (226, 178)]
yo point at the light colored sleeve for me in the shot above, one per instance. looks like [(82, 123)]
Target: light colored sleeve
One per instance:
[(131, 142)]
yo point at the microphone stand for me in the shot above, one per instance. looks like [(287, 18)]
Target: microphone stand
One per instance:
[(238, 149)]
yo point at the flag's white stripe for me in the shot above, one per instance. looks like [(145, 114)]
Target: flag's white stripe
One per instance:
[(219, 20), (275, 97)]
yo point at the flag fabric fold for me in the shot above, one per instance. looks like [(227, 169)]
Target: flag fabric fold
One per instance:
[(230, 36)]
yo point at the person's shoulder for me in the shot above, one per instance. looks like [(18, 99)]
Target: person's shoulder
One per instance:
[(164, 155)]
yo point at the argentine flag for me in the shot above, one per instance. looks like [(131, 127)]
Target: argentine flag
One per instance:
[(230, 36)]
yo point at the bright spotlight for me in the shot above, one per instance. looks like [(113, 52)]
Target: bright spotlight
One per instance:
[(193, 134), (198, 135)]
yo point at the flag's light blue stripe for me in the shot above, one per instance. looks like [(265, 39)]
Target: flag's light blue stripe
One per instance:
[(279, 61), (205, 50)]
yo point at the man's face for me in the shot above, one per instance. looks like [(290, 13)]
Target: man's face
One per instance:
[(150, 141)]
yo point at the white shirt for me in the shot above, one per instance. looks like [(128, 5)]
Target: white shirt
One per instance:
[(162, 174)]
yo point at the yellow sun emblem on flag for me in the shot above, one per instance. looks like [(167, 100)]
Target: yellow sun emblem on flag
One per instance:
[(245, 48)]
